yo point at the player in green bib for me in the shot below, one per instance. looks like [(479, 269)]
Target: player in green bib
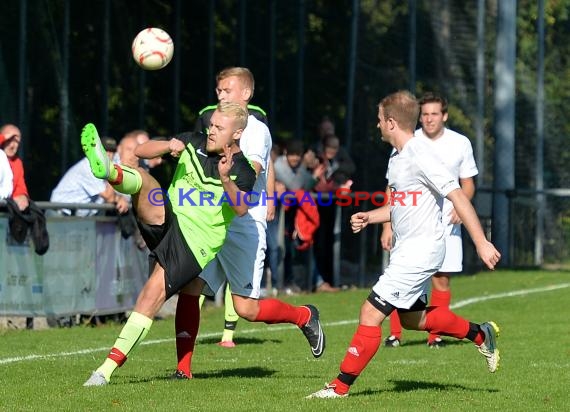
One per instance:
[(185, 227)]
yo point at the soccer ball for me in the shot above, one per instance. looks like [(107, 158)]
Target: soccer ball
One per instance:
[(152, 48)]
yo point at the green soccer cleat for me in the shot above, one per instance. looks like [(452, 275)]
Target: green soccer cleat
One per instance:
[(95, 152)]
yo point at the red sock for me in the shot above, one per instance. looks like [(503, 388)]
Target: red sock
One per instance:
[(186, 323), (440, 320), (395, 325), (439, 298), (276, 311), (119, 178), (364, 345), (116, 355)]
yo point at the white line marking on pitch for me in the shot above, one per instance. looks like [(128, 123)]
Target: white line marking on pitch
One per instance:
[(459, 304)]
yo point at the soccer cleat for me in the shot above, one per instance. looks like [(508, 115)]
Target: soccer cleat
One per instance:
[(489, 347), (326, 393), (436, 343), (227, 344), (392, 342), (95, 152), (314, 332), (180, 376), (96, 379)]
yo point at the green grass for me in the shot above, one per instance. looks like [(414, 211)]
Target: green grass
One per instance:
[(272, 369)]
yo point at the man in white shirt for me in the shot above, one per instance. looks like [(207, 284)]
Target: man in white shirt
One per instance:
[(419, 183), (6, 183), (456, 154), (78, 185)]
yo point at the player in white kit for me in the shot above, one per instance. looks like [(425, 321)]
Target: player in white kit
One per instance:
[(419, 183), (455, 152), (241, 258)]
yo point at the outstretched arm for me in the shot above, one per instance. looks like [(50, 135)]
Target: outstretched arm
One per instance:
[(157, 148)]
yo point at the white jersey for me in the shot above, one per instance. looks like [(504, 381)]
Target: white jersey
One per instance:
[(419, 178), (456, 153), (422, 181), (6, 176), (255, 143)]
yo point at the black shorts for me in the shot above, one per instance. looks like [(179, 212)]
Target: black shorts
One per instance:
[(387, 308), (169, 249)]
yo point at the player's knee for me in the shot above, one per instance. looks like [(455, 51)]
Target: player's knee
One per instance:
[(413, 323), (246, 308)]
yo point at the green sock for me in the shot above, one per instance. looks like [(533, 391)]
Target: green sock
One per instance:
[(228, 335), (230, 317), (201, 301), (131, 335), (230, 314), (114, 172), (130, 182)]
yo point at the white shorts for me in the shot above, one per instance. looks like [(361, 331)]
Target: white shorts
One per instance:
[(241, 262), (453, 261), (408, 274)]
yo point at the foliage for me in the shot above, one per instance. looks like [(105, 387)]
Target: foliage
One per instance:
[(106, 87)]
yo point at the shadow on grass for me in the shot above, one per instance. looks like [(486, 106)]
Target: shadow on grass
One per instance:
[(251, 372), (411, 386), (423, 342), (240, 341)]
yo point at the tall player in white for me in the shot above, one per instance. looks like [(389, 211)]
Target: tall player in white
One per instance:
[(455, 152), (241, 259), (419, 248)]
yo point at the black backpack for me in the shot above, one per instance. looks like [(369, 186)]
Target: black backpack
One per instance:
[(32, 218)]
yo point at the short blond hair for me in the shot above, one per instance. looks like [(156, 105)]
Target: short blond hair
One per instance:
[(403, 107), (242, 73), (236, 111)]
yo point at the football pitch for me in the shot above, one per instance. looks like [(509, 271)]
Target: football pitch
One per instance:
[(272, 369)]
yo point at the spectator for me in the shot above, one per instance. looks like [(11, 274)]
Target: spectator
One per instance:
[(10, 138), (339, 166), (6, 179), (274, 254), (338, 169), (126, 150), (139, 137), (78, 185), (292, 170)]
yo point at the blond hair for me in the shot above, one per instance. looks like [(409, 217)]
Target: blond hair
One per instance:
[(403, 107), (236, 111), (242, 73)]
